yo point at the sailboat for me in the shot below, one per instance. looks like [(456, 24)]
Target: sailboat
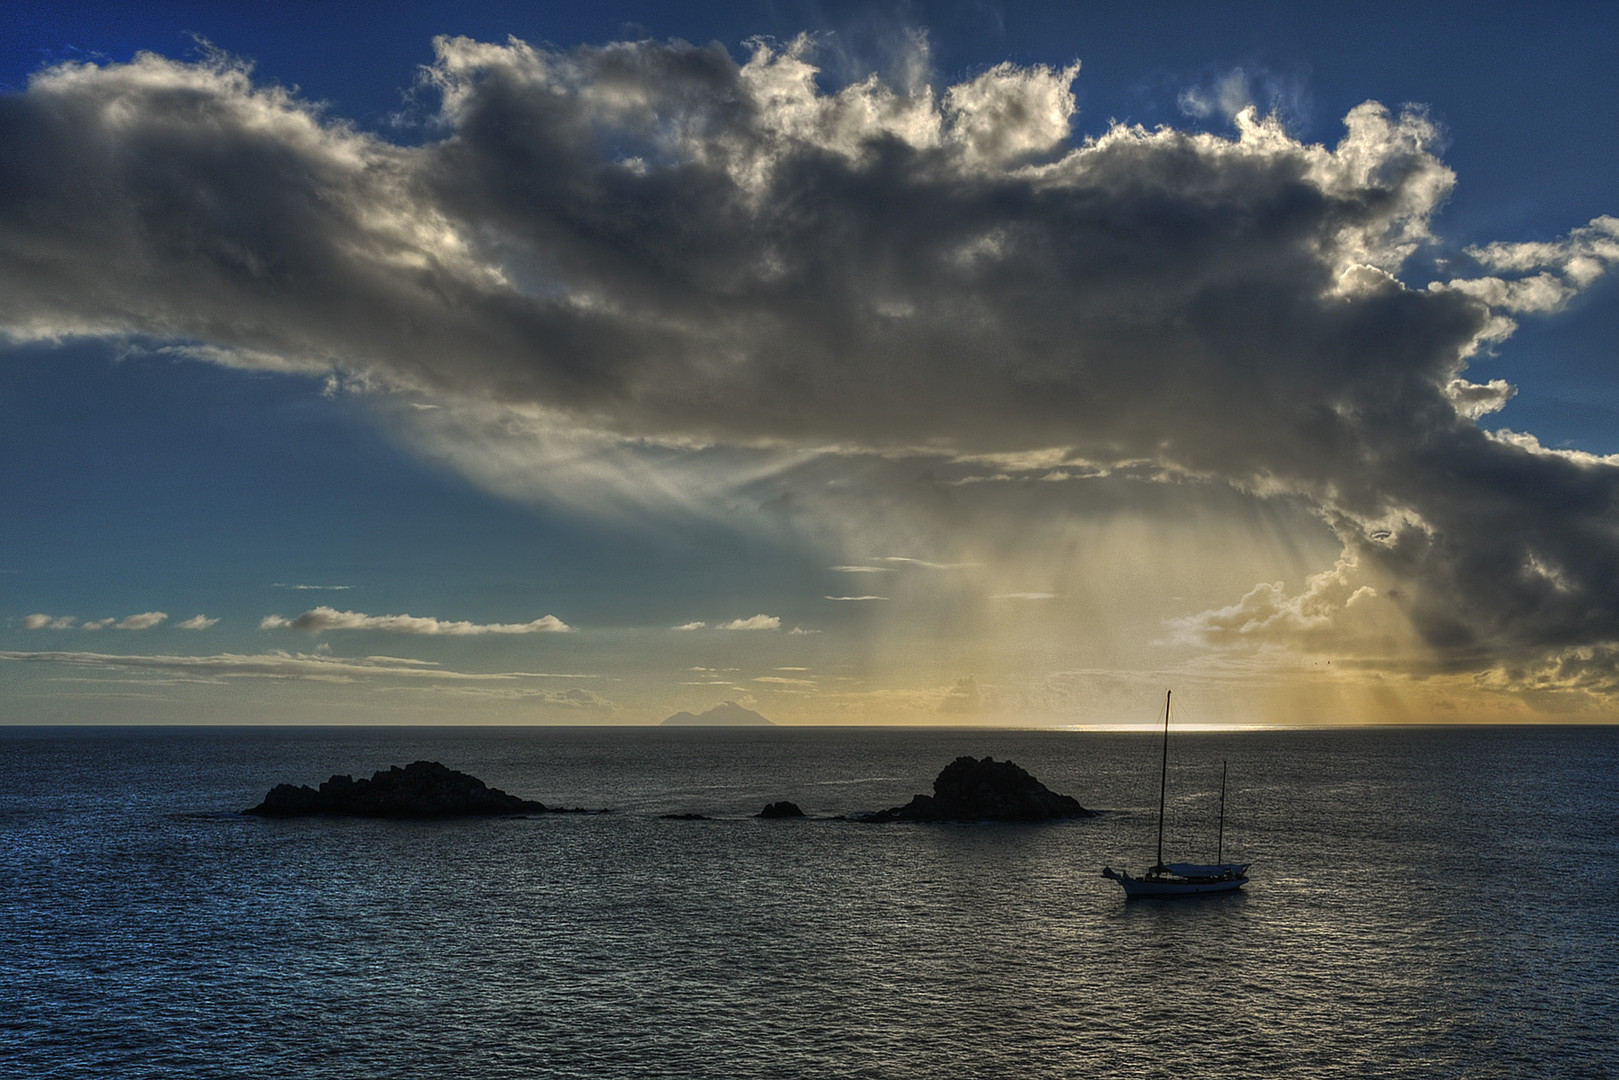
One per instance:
[(1177, 879)]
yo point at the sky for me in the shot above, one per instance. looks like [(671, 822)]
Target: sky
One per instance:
[(924, 363)]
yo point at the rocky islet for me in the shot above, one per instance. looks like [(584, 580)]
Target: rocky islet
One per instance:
[(968, 789), (422, 789)]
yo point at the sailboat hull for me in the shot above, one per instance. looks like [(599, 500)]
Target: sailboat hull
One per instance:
[(1172, 885)]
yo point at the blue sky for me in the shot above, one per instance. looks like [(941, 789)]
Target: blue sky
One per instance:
[(578, 382)]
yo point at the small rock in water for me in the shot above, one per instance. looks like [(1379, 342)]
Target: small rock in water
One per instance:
[(781, 809)]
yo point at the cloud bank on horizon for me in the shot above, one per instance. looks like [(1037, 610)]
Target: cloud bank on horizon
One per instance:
[(657, 251), (221, 668)]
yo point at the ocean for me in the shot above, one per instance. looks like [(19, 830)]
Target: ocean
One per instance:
[(1425, 902)]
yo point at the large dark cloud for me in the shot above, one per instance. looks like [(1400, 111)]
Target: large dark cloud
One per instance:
[(658, 241)]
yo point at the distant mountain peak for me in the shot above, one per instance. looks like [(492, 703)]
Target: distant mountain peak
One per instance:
[(725, 714)]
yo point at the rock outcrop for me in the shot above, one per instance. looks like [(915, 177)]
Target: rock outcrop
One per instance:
[(422, 789), (973, 789), (781, 809)]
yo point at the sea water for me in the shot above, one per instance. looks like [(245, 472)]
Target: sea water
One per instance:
[(1424, 903)]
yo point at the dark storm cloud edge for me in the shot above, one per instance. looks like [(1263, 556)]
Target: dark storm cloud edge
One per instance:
[(655, 240)]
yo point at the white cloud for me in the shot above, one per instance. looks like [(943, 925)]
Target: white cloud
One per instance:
[(1529, 444), (781, 82), (196, 622), (1010, 114), (1581, 257), (1550, 273), (1474, 400), (867, 597), (756, 622), (324, 618), (146, 620), (691, 626), (1338, 609)]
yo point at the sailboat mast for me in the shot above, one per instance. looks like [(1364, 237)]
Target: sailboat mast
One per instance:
[(1163, 784), (1219, 851)]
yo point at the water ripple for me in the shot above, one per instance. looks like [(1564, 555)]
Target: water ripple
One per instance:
[(1398, 927)]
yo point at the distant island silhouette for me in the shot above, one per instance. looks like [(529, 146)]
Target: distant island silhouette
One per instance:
[(422, 789), (725, 714), (973, 789)]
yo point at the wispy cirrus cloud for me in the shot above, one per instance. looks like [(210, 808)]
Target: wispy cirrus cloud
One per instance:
[(574, 699), (322, 619), (196, 622), (277, 665), (144, 621), (925, 564), (1228, 93)]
